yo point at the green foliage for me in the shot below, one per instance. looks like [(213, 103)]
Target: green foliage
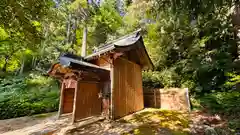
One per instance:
[(33, 34), (165, 78), (18, 16), (233, 81), (104, 23), (191, 45), (225, 103), (151, 79), (27, 95)]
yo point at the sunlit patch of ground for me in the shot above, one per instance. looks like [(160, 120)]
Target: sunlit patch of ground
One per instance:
[(37, 124), (156, 121), (27, 121), (145, 122)]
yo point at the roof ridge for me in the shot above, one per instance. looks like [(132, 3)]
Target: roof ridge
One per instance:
[(112, 45), (120, 38)]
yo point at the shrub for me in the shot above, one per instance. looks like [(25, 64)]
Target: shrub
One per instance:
[(152, 79), (165, 78), (225, 103), (27, 95)]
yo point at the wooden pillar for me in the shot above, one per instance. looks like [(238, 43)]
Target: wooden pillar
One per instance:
[(75, 102), (61, 98), (155, 98), (112, 89)]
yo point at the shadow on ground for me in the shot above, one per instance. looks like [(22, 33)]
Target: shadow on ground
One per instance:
[(146, 122)]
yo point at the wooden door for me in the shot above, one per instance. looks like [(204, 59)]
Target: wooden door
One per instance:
[(88, 103)]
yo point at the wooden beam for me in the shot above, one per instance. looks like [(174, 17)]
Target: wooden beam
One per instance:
[(112, 88), (60, 110), (124, 59), (75, 102), (155, 99)]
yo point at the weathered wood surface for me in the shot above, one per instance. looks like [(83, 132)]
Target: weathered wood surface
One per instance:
[(68, 96), (103, 61), (128, 92), (75, 101), (88, 103), (70, 83), (61, 99)]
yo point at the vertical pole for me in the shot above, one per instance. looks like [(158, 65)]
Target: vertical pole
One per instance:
[(85, 31), (75, 102), (160, 98), (84, 41), (60, 110), (112, 88), (155, 104), (188, 100)]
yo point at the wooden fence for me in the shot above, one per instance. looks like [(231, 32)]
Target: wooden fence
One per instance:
[(170, 99)]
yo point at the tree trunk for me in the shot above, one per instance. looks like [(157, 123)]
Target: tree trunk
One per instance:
[(85, 31), (73, 34), (84, 41), (22, 66), (34, 62), (4, 69), (235, 21), (68, 30)]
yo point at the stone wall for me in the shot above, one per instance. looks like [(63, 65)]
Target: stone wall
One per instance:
[(169, 99)]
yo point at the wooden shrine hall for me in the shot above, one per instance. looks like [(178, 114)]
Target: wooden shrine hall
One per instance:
[(107, 82)]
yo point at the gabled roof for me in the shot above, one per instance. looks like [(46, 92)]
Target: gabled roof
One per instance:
[(131, 42)]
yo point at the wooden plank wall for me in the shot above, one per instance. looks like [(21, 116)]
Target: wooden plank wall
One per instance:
[(128, 92), (88, 104), (68, 95)]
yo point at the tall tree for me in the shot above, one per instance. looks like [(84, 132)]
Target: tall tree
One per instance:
[(191, 42)]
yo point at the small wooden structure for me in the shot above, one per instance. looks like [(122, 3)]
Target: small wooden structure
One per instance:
[(169, 99), (109, 81)]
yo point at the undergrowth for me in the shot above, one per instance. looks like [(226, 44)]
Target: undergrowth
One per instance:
[(226, 104), (28, 94)]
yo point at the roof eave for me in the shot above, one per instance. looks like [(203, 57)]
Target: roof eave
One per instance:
[(98, 54)]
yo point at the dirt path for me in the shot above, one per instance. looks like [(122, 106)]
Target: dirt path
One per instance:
[(43, 123), (22, 122), (145, 122)]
